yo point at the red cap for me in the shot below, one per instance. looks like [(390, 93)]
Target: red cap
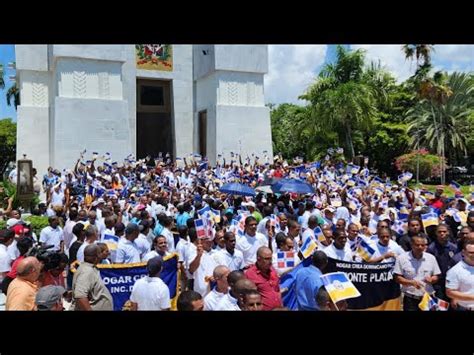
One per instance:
[(19, 229)]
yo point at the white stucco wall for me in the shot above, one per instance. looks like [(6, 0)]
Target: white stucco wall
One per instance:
[(31, 57), (243, 130), (229, 85), (203, 60), (95, 124), (242, 58), (84, 96), (33, 114)]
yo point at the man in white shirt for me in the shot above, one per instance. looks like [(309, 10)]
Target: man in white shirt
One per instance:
[(386, 250), (168, 225), (6, 238), (416, 271), (68, 226), (53, 235), (232, 300), (230, 257), (202, 266), (460, 278), (220, 277), (339, 249), (142, 241), (250, 242), (150, 293)]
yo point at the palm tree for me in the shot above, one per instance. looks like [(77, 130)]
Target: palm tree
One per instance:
[(441, 121), (2, 81), (13, 94), (340, 99)]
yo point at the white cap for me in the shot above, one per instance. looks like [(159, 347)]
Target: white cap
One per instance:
[(12, 222)]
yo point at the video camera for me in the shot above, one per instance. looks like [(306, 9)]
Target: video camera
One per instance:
[(42, 253)]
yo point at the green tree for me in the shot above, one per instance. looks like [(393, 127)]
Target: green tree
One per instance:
[(7, 143), (341, 100), (443, 122)]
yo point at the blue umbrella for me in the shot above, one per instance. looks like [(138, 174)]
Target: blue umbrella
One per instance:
[(292, 185), (235, 188)]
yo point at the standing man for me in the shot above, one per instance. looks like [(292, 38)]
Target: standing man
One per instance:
[(230, 257), (89, 291), (416, 271), (265, 277), (251, 241), (308, 282), (150, 293), (53, 235), (22, 290), (460, 279)]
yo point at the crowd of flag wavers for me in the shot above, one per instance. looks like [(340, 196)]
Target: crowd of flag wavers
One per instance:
[(237, 228)]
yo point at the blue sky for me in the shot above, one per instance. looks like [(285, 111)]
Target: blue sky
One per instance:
[(7, 54), (292, 68)]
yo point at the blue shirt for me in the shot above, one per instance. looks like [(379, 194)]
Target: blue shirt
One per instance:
[(308, 282), (181, 219), (127, 252), (158, 229), (443, 255)]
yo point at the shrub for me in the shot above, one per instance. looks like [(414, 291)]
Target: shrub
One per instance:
[(429, 163)]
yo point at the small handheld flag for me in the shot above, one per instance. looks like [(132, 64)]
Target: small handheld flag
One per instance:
[(456, 186), (308, 247), (429, 219), (365, 250), (285, 259), (339, 286)]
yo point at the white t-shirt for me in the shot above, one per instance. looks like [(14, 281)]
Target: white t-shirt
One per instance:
[(52, 236), (143, 245), (332, 252), (13, 251), (169, 239), (249, 245), (80, 251), (227, 303), (232, 261), (381, 250), (5, 261), (152, 254), (461, 278), (68, 235), (151, 294), (205, 270), (57, 198), (212, 300)]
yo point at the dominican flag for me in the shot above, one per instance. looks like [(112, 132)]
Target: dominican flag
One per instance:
[(200, 228), (285, 259), (400, 227), (275, 222)]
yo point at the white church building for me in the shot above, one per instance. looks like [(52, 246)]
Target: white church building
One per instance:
[(140, 99)]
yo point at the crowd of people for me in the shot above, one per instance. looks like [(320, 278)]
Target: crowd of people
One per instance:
[(104, 212)]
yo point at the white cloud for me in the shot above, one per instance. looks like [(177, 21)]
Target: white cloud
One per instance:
[(391, 57), (291, 69)]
